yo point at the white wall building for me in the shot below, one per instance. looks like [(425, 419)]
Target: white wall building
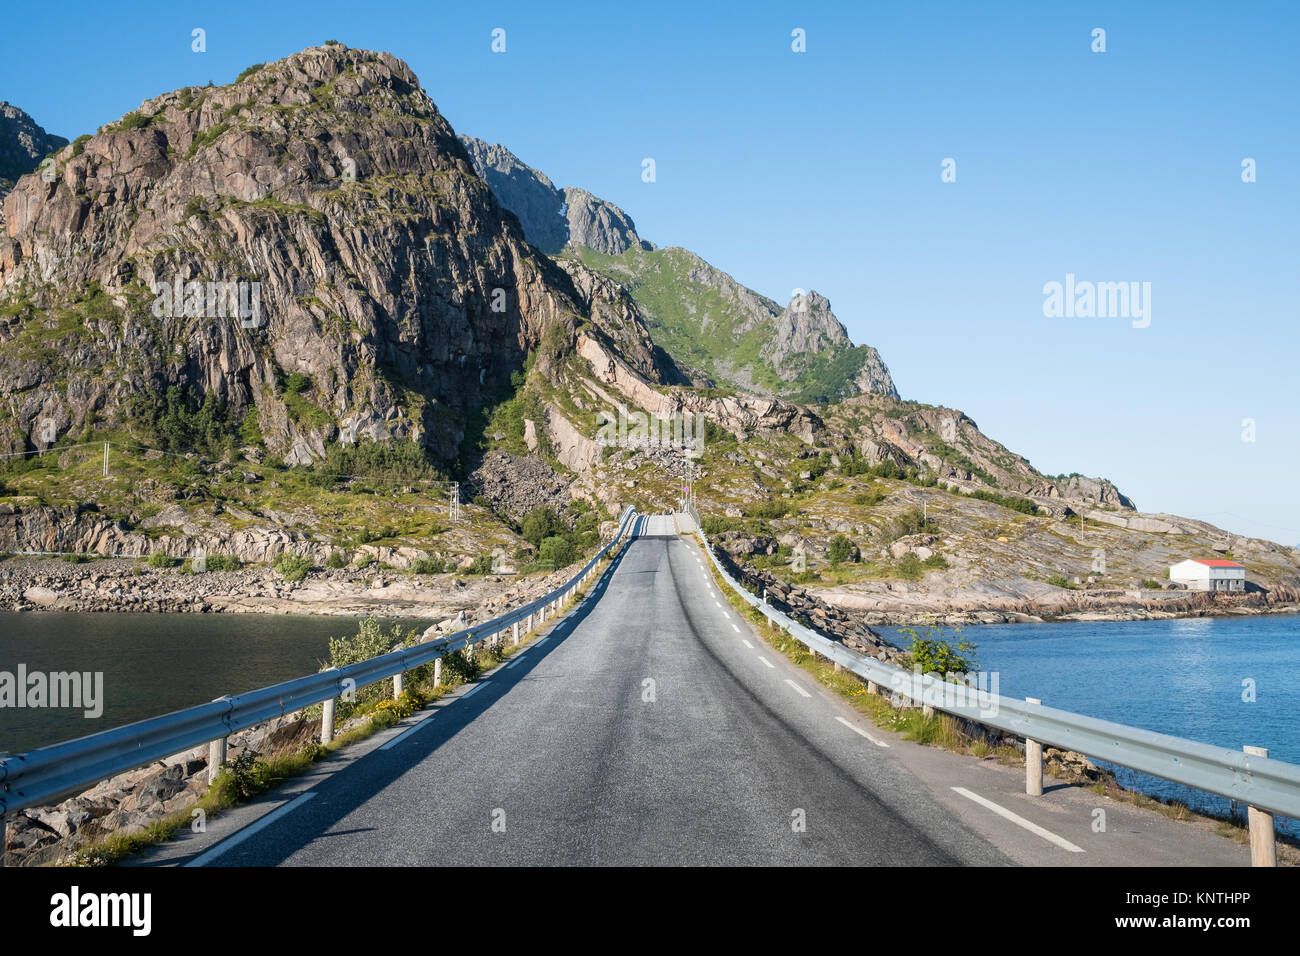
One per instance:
[(1215, 575)]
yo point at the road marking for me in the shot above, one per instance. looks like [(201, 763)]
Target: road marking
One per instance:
[(858, 730), (473, 690), (747, 644), (1034, 828), (408, 731), (734, 628), (726, 615), (718, 603), (518, 659), (234, 841), (801, 691), (766, 661), (539, 643)]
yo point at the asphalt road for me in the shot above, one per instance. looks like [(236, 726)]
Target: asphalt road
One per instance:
[(651, 727)]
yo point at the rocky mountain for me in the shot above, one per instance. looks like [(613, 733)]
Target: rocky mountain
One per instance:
[(23, 144), (310, 246), (298, 305), (715, 328), (552, 218)]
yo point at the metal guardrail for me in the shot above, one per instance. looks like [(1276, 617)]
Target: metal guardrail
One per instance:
[(40, 776), (1260, 782)]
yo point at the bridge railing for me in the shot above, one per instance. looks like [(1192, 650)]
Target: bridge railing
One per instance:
[(42, 776), (1265, 785)]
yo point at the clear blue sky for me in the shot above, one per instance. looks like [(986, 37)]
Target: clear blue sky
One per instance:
[(821, 170)]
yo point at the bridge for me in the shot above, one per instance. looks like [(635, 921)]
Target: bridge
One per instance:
[(653, 724)]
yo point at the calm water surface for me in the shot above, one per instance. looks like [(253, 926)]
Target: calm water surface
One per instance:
[(1181, 677), (155, 663)]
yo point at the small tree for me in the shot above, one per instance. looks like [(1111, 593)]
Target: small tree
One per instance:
[(841, 550), (939, 657)]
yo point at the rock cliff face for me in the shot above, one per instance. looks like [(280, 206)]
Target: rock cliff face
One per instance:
[(331, 191), (23, 144), (600, 225), (700, 315), (524, 191), (552, 217)]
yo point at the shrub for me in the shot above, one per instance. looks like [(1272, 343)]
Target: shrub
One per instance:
[(371, 640), (481, 565), (911, 521), (248, 775), (1059, 581), (939, 657), (557, 552), (292, 567), (909, 566), (935, 561), (539, 524), (841, 549), (223, 562), (433, 565), (459, 667), (871, 496), (336, 560), (331, 42), (1151, 585), (249, 71), (75, 558), (134, 120), (79, 144), (160, 560)]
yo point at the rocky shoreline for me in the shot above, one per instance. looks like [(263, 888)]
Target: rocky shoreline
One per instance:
[(117, 585)]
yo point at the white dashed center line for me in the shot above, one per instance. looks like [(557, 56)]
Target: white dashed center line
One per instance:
[(1018, 820), (747, 644), (766, 661), (800, 690), (734, 628), (859, 730)]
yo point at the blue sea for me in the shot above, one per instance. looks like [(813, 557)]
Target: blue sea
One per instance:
[(1191, 678)]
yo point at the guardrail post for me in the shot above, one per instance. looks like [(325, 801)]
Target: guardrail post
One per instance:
[(397, 686), (327, 720), (872, 687), (4, 844), (530, 624), (1033, 761), (216, 758), (1263, 846), (516, 639), (437, 671)]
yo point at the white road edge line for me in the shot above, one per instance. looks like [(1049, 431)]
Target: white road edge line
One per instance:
[(1034, 828), (766, 661), (859, 730), (408, 731), (802, 692), (233, 841)]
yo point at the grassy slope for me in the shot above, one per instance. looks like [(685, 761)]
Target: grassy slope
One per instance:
[(700, 327)]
